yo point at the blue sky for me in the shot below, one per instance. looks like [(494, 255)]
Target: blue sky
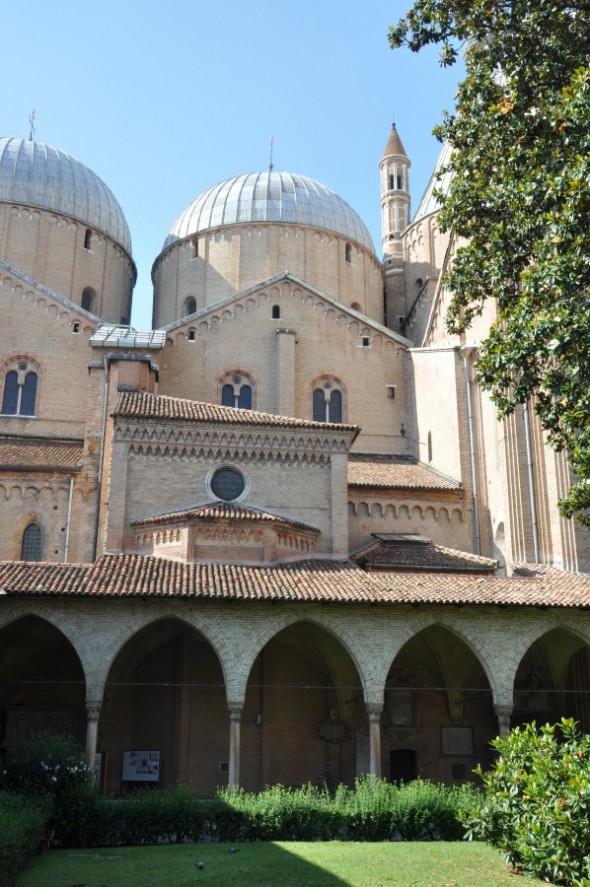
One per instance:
[(164, 100)]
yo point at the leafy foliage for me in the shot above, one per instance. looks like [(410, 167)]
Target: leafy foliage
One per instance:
[(54, 768), (537, 803), (374, 810), (23, 824), (518, 203)]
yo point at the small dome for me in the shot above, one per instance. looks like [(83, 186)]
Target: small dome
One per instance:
[(33, 174), (270, 197)]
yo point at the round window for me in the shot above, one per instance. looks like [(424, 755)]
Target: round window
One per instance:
[(227, 484)]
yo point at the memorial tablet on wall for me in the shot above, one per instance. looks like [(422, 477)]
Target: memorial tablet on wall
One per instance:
[(141, 766), (457, 741)]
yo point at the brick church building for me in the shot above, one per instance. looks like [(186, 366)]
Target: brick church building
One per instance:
[(282, 536)]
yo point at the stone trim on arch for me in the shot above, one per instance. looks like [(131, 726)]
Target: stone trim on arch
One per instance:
[(333, 622), (545, 622)]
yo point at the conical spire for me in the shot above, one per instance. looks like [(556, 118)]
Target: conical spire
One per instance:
[(394, 144)]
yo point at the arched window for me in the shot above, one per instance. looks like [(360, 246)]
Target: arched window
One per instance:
[(31, 546), (29, 394), (88, 299), (190, 305), (276, 312), (87, 239), (11, 394), (328, 401), (348, 252), (237, 391), (20, 390)]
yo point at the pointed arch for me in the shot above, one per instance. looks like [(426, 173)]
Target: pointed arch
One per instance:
[(32, 543)]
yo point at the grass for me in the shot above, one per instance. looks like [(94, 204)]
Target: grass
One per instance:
[(279, 864)]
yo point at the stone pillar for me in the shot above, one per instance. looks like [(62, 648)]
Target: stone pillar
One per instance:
[(92, 717), (374, 712), (503, 713), (235, 720)]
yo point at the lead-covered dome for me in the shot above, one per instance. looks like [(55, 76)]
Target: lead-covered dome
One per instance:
[(270, 197), (34, 174)]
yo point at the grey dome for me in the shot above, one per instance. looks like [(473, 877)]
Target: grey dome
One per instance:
[(38, 175), (270, 197)]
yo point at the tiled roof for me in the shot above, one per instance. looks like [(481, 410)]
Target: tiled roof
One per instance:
[(374, 470), (39, 454), (314, 580), (401, 553), (221, 511), (536, 586), (144, 405), (17, 577)]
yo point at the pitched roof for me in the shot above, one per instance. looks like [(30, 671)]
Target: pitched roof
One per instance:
[(403, 551), (531, 586), (144, 405), (24, 577), (39, 454), (221, 511), (318, 581), (368, 322), (402, 472)]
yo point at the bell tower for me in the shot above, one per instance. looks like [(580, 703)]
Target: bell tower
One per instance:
[(395, 217)]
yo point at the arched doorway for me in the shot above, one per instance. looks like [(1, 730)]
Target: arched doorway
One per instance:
[(165, 694), (552, 681), (304, 708), (42, 685), (438, 716)]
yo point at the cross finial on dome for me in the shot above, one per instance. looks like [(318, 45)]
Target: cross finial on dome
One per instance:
[(32, 125), (270, 163)]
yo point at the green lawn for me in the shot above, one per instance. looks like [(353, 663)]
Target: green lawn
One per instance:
[(280, 864)]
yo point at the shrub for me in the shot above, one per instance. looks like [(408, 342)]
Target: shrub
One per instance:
[(53, 767), (417, 811), (374, 810), (24, 821), (152, 817), (537, 803)]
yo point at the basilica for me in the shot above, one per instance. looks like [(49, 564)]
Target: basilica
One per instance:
[(282, 536)]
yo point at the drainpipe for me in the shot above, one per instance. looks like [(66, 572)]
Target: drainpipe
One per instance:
[(476, 537), (67, 543), (529, 466)]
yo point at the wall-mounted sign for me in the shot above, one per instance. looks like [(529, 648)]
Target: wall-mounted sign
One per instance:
[(141, 766), (457, 740)]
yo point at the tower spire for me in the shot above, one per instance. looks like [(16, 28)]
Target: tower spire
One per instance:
[(395, 193), (395, 218)]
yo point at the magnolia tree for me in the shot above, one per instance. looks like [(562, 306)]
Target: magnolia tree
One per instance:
[(519, 203)]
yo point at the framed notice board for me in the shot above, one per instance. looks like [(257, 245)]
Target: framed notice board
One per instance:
[(141, 766)]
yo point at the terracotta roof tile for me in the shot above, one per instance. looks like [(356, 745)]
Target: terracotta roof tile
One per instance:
[(405, 554), (402, 472), (221, 511), (18, 577), (116, 575), (39, 454), (538, 586), (313, 580), (144, 405)]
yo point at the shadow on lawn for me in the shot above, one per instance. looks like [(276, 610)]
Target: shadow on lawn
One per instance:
[(231, 865)]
